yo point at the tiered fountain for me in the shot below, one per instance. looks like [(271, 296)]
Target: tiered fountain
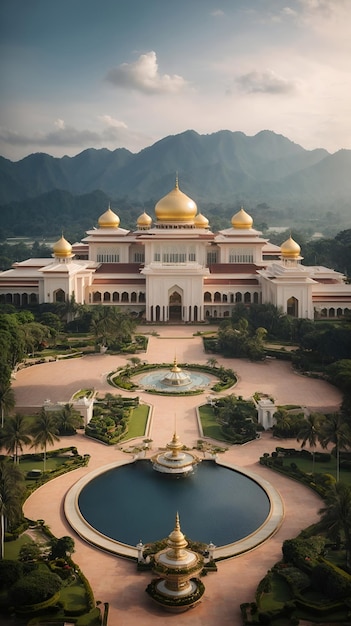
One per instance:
[(175, 460), (177, 589)]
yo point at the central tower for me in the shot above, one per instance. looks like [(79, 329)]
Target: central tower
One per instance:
[(175, 260)]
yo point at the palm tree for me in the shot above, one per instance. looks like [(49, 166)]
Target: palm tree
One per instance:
[(212, 362), (15, 435), (68, 419), (335, 430), (7, 400), (310, 433), (336, 515), (44, 431), (11, 489)]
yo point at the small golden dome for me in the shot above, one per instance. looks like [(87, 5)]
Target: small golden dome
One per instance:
[(242, 220), (144, 220), (290, 249), (201, 221), (176, 206), (62, 248), (109, 219)]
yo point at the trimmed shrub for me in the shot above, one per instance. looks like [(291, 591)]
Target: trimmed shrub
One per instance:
[(36, 587)]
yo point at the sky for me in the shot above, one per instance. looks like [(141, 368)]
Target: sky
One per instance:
[(79, 74)]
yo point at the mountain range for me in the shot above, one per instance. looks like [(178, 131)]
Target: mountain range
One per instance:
[(224, 168)]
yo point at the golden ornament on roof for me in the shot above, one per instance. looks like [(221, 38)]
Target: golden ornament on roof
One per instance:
[(242, 220), (176, 206), (290, 249), (109, 219), (144, 220), (62, 248)]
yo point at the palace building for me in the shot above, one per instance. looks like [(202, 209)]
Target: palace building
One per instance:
[(174, 268)]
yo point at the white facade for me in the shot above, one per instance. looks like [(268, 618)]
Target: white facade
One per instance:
[(174, 268)]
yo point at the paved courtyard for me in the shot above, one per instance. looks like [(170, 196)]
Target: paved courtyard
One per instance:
[(115, 580)]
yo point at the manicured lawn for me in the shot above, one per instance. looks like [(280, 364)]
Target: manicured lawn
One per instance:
[(74, 597), (210, 428), (329, 467), (276, 598), (12, 548), (137, 422), (25, 465)]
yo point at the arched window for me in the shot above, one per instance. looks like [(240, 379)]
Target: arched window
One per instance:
[(338, 312), (33, 298), (59, 295), (293, 307), (332, 312), (247, 297), (133, 296), (238, 297), (115, 296), (141, 297), (24, 299), (96, 296), (217, 297), (225, 298), (16, 299), (256, 297), (125, 296), (8, 298), (107, 296), (207, 296)]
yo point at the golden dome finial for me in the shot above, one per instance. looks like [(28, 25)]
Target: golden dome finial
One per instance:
[(62, 248), (177, 181), (290, 249), (109, 219), (242, 220), (175, 207)]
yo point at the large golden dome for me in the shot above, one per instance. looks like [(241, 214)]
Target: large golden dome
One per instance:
[(290, 249), (176, 206), (109, 219), (62, 248), (201, 221), (242, 220), (144, 221)]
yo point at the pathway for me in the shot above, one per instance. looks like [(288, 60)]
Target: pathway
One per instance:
[(115, 580)]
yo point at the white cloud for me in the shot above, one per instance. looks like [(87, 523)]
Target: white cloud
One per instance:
[(113, 134), (112, 122), (264, 82), (217, 13), (143, 75)]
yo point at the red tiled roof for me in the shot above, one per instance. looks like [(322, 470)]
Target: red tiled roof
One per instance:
[(119, 281), (119, 268), (234, 268), (231, 281)]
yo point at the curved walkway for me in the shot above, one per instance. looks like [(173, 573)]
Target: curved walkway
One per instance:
[(115, 580)]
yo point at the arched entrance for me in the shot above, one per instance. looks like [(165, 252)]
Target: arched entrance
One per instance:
[(293, 307), (175, 306)]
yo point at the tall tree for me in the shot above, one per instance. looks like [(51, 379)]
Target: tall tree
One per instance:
[(336, 516), (45, 431), (15, 435), (7, 399), (310, 433), (336, 430), (11, 492), (68, 420)]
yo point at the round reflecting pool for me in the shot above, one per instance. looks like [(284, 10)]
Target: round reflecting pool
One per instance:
[(117, 506)]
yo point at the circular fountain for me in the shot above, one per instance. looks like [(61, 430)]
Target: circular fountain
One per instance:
[(176, 380), (175, 461), (176, 377)]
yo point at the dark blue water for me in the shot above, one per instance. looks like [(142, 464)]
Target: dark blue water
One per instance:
[(135, 502)]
